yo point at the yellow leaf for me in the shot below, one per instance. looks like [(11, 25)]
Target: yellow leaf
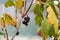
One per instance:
[(9, 20), (52, 19), (19, 4)]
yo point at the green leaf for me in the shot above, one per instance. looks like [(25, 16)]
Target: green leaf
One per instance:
[(45, 27), (51, 31), (1, 33), (38, 20), (9, 3), (58, 6), (38, 10)]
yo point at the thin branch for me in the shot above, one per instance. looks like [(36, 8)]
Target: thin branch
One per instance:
[(4, 27), (16, 30), (56, 9), (27, 9), (14, 34), (26, 1), (17, 27), (6, 34), (17, 24), (16, 14), (25, 12), (24, 7)]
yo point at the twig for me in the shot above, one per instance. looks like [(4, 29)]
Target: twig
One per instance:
[(25, 12), (24, 7), (4, 27), (6, 34), (16, 31), (16, 14), (56, 9), (27, 9), (26, 1), (14, 34), (16, 25)]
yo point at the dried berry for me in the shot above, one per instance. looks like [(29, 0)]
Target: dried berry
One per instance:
[(17, 33)]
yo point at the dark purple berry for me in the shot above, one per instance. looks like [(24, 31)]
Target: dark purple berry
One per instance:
[(59, 27), (17, 33), (25, 23), (27, 19)]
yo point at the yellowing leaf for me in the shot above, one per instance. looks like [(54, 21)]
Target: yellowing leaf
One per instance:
[(52, 19), (9, 19), (19, 4), (3, 23), (50, 2), (0, 19)]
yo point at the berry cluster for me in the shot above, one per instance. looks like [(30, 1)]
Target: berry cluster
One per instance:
[(26, 20)]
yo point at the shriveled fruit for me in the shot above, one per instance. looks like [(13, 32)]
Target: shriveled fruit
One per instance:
[(17, 33), (25, 23), (39, 32), (27, 19)]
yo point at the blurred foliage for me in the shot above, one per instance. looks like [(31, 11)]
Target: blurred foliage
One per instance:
[(45, 27), (38, 10), (52, 6), (1, 33), (50, 24), (17, 3), (58, 5), (38, 20), (52, 19), (9, 3), (51, 31), (8, 19)]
